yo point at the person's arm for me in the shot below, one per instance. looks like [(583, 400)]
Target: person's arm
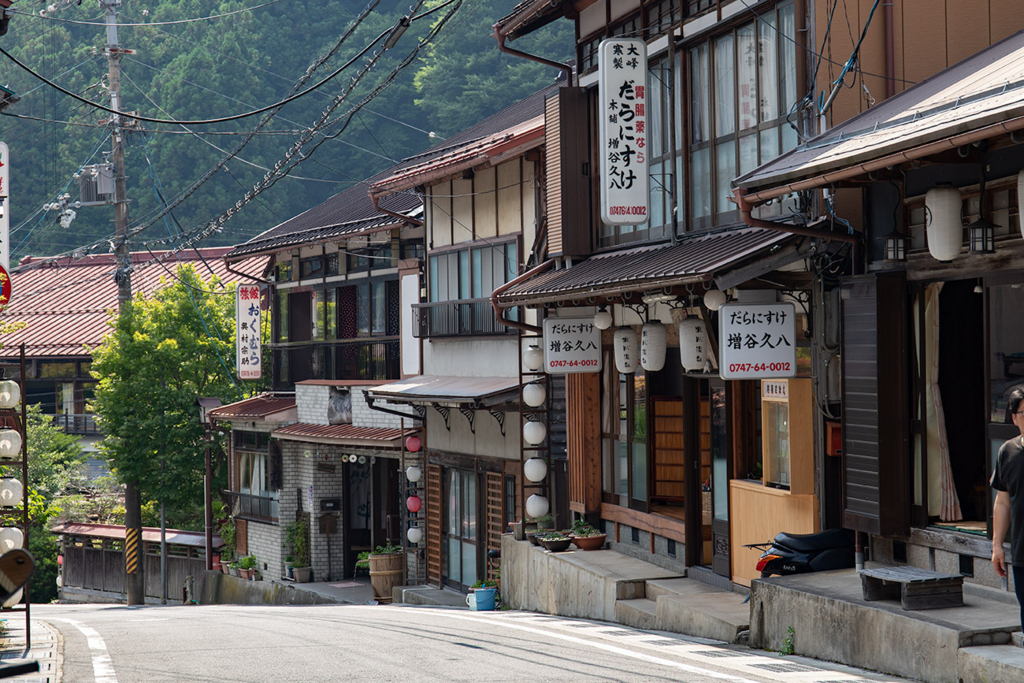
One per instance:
[(1000, 525)]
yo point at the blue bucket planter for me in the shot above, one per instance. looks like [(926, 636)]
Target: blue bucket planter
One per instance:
[(481, 599)]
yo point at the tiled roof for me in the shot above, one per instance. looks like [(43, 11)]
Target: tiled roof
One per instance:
[(530, 15), (66, 304), (696, 259), (342, 434), (257, 406)]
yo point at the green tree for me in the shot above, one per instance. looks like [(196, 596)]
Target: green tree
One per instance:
[(163, 353)]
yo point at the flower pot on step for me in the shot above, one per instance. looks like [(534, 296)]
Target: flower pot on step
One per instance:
[(589, 542), (302, 574)]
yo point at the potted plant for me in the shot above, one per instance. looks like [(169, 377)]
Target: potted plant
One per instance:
[(363, 563), (226, 529), (555, 541), (483, 596), (297, 541), (544, 522), (586, 537), (247, 567), (289, 572), (386, 570)]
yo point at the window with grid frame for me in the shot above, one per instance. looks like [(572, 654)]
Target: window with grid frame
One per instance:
[(472, 273), (742, 88)]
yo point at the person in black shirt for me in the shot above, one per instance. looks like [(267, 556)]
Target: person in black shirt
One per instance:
[(1008, 482)]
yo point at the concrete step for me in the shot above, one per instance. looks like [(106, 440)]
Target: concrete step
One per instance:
[(638, 613), (697, 611), (1017, 639), (991, 663)]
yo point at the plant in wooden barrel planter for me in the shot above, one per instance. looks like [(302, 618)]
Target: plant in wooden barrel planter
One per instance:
[(387, 567)]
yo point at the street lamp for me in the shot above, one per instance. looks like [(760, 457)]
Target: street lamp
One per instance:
[(205, 406)]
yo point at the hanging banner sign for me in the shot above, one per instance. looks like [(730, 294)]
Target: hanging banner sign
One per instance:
[(248, 354), (571, 345), (5, 207), (622, 112), (757, 341)]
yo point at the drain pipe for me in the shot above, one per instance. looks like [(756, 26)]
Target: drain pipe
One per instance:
[(376, 207), (512, 283), (746, 207), (501, 37)]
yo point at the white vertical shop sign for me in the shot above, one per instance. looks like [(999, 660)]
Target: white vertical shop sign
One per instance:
[(5, 207), (248, 354), (757, 341), (622, 111)]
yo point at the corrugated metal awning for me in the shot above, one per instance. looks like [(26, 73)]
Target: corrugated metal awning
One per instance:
[(985, 92), (699, 258), (427, 389), (342, 435), (257, 406)]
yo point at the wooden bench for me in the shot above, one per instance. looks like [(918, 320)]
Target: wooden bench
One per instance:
[(914, 588)]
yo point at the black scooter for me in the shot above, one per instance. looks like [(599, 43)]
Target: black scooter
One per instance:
[(803, 553)]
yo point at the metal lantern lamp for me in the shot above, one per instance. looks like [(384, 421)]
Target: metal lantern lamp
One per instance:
[(414, 534), (10, 443), (944, 225), (693, 344), (10, 394), (981, 235), (413, 473), (653, 343), (534, 394), (894, 246), (626, 354), (11, 492), (535, 469), (533, 357), (602, 319), (534, 433), (537, 506), (714, 299)]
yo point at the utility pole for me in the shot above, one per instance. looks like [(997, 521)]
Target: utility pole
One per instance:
[(134, 579)]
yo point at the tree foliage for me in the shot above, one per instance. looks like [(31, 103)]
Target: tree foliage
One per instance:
[(163, 353)]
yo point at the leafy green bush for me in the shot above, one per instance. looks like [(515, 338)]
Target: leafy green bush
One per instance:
[(248, 562), (297, 541), (388, 549)]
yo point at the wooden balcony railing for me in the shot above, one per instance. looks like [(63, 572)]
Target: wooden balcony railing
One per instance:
[(76, 424)]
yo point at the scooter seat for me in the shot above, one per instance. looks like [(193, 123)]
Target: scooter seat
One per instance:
[(823, 540)]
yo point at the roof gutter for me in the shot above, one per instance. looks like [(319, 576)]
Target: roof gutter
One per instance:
[(501, 37), (512, 283), (920, 152), (746, 207), (376, 198)]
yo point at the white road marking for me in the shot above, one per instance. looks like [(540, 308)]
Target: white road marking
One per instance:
[(102, 666)]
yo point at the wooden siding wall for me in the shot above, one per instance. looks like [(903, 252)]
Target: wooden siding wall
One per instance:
[(567, 151), (875, 410), (583, 418), (756, 514), (496, 202), (435, 510), (553, 174)]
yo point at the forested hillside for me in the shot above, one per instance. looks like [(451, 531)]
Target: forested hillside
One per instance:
[(225, 66)]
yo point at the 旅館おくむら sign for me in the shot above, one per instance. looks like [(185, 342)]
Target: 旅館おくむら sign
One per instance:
[(622, 112), (571, 345), (757, 341), (248, 358)]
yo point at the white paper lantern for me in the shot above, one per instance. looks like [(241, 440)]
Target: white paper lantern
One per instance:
[(14, 599), (533, 358), (536, 506), (413, 473), (602, 319), (414, 534), (10, 492), (693, 344), (534, 432), (714, 298), (11, 538), (652, 346), (10, 394), (534, 394), (945, 227), (60, 581), (535, 469), (626, 352), (10, 443)]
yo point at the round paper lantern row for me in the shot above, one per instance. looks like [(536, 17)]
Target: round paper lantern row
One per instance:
[(11, 538), (626, 353), (534, 394), (536, 506), (714, 299), (414, 534), (533, 358), (414, 503), (11, 492), (943, 222), (535, 469), (534, 433), (693, 344), (602, 319), (413, 473), (10, 443), (413, 444), (653, 340), (10, 394)]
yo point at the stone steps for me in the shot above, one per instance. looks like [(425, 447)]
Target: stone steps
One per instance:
[(638, 613), (689, 607), (991, 663)]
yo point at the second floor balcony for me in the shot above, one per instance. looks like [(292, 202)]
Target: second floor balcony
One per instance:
[(465, 317), (81, 425)]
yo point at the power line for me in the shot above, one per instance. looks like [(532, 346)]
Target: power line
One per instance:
[(154, 23)]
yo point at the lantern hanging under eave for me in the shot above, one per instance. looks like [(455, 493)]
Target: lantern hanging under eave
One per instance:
[(602, 319), (10, 443), (534, 432), (944, 225), (10, 394), (536, 506), (535, 469), (693, 344), (414, 503), (533, 358), (534, 394), (714, 299), (626, 352), (653, 342), (981, 236), (413, 473), (894, 246), (413, 444), (414, 534), (11, 492)]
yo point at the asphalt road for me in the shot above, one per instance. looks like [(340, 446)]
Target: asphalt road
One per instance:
[(117, 644)]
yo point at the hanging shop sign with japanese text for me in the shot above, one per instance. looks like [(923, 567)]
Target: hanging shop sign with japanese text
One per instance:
[(757, 341), (622, 112), (248, 354), (5, 208), (571, 345)]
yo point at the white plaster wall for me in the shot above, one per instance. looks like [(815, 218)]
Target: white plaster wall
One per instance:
[(471, 358), (487, 441), (410, 294), (312, 399)]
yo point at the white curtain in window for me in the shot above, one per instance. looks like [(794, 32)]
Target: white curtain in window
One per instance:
[(768, 68), (938, 446)]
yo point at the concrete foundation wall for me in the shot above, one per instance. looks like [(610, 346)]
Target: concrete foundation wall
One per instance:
[(641, 549), (220, 589)]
